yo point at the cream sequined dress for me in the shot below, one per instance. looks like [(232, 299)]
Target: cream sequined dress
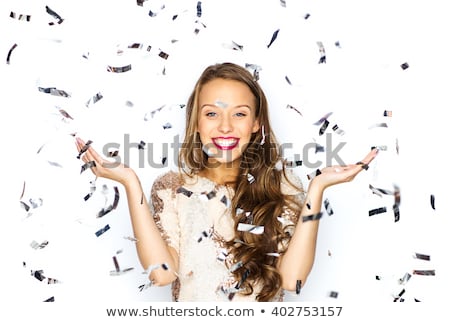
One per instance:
[(194, 217)]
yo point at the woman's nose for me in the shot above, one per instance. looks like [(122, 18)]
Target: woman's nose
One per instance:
[(225, 125)]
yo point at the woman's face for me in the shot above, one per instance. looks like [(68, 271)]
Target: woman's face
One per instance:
[(226, 119)]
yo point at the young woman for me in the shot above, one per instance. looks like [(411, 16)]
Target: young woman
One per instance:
[(233, 223)]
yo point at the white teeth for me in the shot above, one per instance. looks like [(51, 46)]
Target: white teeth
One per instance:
[(225, 142)]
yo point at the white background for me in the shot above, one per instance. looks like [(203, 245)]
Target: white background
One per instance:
[(361, 79)]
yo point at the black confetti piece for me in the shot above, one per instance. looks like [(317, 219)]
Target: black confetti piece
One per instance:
[(167, 126), (283, 3), (87, 165), (20, 17), (328, 207), (377, 211), (323, 128), (141, 145), (338, 130), (404, 66), (50, 299), (294, 163), (163, 55), (312, 217), (199, 9), (432, 201), (298, 287), (8, 57), (333, 294), (184, 191), (306, 16), (54, 15), (430, 272), (53, 91), (314, 174), (84, 148), (102, 231), (225, 201), (274, 36), (294, 108), (94, 99), (323, 118), (404, 279), (110, 208), (255, 69), (323, 57), (387, 113), (396, 210), (363, 165), (120, 69), (422, 256)]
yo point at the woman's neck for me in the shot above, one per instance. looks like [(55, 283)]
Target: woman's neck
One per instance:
[(222, 173)]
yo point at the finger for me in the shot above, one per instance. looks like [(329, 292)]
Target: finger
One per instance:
[(370, 156)]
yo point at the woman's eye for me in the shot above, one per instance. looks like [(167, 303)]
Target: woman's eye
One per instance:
[(240, 114), (211, 114)]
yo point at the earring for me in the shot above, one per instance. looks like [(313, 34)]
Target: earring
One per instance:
[(263, 140)]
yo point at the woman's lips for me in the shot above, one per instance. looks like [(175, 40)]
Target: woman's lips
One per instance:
[(225, 143)]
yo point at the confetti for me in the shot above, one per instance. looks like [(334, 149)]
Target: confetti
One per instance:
[(312, 217), (323, 118), (333, 294), (378, 125), (377, 211), (184, 191), (314, 174), (20, 17), (87, 165), (209, 195), (226, 201), (283, 3), (255, 69), (298, 287), (432, 201), (250, 178), (199, 9), (167, 126), (338, 130), (236, 266), (306, 16), (102, 231), (121, 69), (387, 113), (257, 230), (294, 108), (110, 208), (117, 270), (422, 256), (35, 245), (133, 239), (323, 57), (363, 165), (92, 189), (53, 91), (50, 299), (404, 66), (323, 127), (94, 99), (233, 46), (274, 36), (54, 15), (8, 57), (84, 148), (404, 279), (328, 207)]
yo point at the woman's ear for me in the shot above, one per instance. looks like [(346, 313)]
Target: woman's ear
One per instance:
[(256, 126)]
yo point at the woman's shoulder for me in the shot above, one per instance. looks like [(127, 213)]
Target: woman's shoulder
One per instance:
[(167, 180)]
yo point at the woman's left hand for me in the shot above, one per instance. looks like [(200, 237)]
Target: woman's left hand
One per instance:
[(332, 175)]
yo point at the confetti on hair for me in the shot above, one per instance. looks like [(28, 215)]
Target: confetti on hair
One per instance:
[(273, 254), (101, 231), (328, 207), (111, 207), (20, 17), (255, 69), (298, 287), (263, 140), (323, 57), (274, 36), (312, 217), (87, 165), (54, 15), (257, 230), (313, 174), (377, 211), (8, 57), (250, 178), (184, 191), (236, 266), (94, 99), (35, 245), (119, 69), (54, 91)]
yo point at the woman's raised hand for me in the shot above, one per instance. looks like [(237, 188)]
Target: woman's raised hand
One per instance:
[(103, 168), (332, 175)]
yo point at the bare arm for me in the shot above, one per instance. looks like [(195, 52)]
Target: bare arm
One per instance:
[(150, 246), (297, 262)]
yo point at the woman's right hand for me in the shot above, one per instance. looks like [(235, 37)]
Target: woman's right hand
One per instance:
[(111, 170)]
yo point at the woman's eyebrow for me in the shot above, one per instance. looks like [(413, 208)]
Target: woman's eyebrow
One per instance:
[(215, 105)]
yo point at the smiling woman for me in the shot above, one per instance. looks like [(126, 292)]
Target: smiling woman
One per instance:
[(234, 222)]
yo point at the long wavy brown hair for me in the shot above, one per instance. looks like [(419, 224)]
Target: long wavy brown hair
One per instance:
[(262, 198)]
